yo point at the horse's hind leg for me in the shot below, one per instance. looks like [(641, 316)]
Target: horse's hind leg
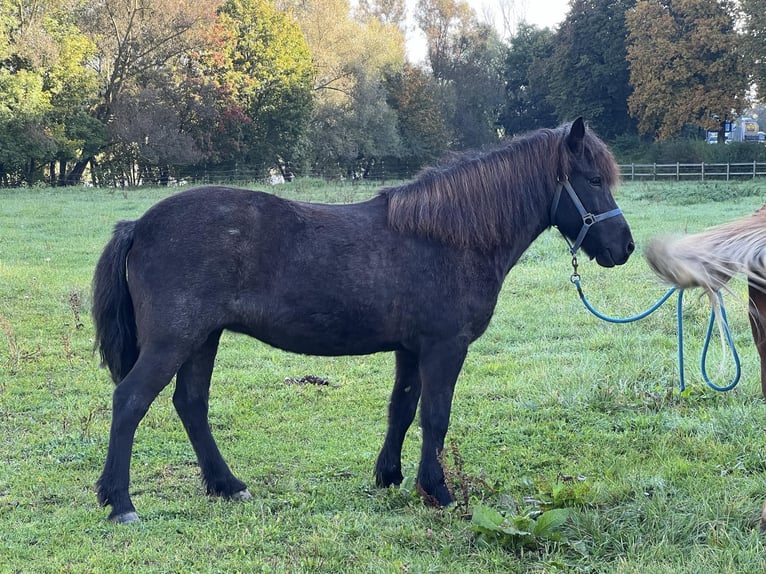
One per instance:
[(191, 402), (758, 327), (131, 399), (401, 412)]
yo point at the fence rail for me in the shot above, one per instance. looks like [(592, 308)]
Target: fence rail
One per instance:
[(692, 171)]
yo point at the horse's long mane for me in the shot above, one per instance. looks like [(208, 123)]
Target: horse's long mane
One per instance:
[(710, 258), (481, 200)]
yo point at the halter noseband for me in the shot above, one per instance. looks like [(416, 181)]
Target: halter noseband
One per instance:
[(588, 219)]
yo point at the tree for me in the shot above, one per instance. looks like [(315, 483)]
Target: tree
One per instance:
[(423, 130), (686, 65), (264, 66), (466, 58), (446, 24), (526, 104), (134, 39), (477, 86), (340, 46), (351, 139), (352, 124), (24, 142), (73, 88), (149, 136), (753, 16), (387, 12), (588, 71), (44, 88)]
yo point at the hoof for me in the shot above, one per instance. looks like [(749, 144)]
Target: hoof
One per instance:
[(242, 495), (125, 518)]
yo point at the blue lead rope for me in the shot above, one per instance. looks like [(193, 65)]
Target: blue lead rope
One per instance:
[(679, 314), (649, 311), (729, 342)]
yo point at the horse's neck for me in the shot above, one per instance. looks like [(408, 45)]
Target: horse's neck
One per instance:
[(506, 256)]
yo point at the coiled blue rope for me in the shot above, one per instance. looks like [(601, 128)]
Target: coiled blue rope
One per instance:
[(679, 315)]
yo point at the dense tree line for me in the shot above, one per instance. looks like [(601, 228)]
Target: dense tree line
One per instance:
[(122, 92)]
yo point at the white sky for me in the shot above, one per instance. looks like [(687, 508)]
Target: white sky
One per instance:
[(542, 13), (539, 12)]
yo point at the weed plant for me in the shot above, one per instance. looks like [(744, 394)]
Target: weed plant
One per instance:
[(554, 411)]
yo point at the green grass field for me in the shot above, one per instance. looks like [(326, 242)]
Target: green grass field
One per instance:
[(554, 409)]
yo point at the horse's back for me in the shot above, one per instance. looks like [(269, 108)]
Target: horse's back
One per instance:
[(279, 270), (309, 278)]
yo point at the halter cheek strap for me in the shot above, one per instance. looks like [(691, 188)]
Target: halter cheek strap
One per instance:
[(588, 219)]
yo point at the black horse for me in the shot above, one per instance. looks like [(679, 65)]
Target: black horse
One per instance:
[(416, 270)]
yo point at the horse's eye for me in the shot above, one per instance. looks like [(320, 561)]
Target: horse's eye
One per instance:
[(595, 181)]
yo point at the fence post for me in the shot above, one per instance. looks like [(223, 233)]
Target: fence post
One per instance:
[(678, 171), (753, 169), (703, 171), (728, 169), (654, 172)]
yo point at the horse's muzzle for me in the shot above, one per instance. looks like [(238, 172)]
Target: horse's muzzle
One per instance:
[(607, 258)]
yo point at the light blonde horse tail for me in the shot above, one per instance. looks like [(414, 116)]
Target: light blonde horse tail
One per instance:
[(709, 259)]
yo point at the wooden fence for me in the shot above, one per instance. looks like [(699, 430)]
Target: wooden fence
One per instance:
[(692, 171)]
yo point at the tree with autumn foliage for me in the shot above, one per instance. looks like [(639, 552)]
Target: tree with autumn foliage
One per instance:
[(135, 43), (686, 65), (263, 69)]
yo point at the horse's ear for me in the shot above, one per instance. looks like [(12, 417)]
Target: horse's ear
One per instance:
[(576, 135)]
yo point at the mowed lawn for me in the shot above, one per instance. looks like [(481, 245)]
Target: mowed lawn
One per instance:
[(554, 409)]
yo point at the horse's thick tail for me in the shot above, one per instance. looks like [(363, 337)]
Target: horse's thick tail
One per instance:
[(711, 258), (112, 308)]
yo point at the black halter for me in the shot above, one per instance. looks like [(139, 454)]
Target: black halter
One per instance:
[(588, 219)]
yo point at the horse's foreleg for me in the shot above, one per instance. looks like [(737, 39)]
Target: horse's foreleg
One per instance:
[(440, 366), (130, 401), (758, 327), (401, 412), (191, 402)]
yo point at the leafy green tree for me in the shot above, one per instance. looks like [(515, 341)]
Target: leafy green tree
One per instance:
[(24, 141), (44, 87), (353, 139), (352, 126), (477, 86), (73, 89), (423, 130), (526, 77), (466, 58), (686, 65), (588, 72), (265, 68), (753, 17)]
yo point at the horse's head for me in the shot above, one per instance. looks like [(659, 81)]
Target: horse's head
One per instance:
[(583, 208)]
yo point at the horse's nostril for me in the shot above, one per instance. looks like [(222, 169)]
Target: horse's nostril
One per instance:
[(631, 247)]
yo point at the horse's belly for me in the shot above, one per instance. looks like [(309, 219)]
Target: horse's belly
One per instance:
[(322, 332), (315, 342)]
